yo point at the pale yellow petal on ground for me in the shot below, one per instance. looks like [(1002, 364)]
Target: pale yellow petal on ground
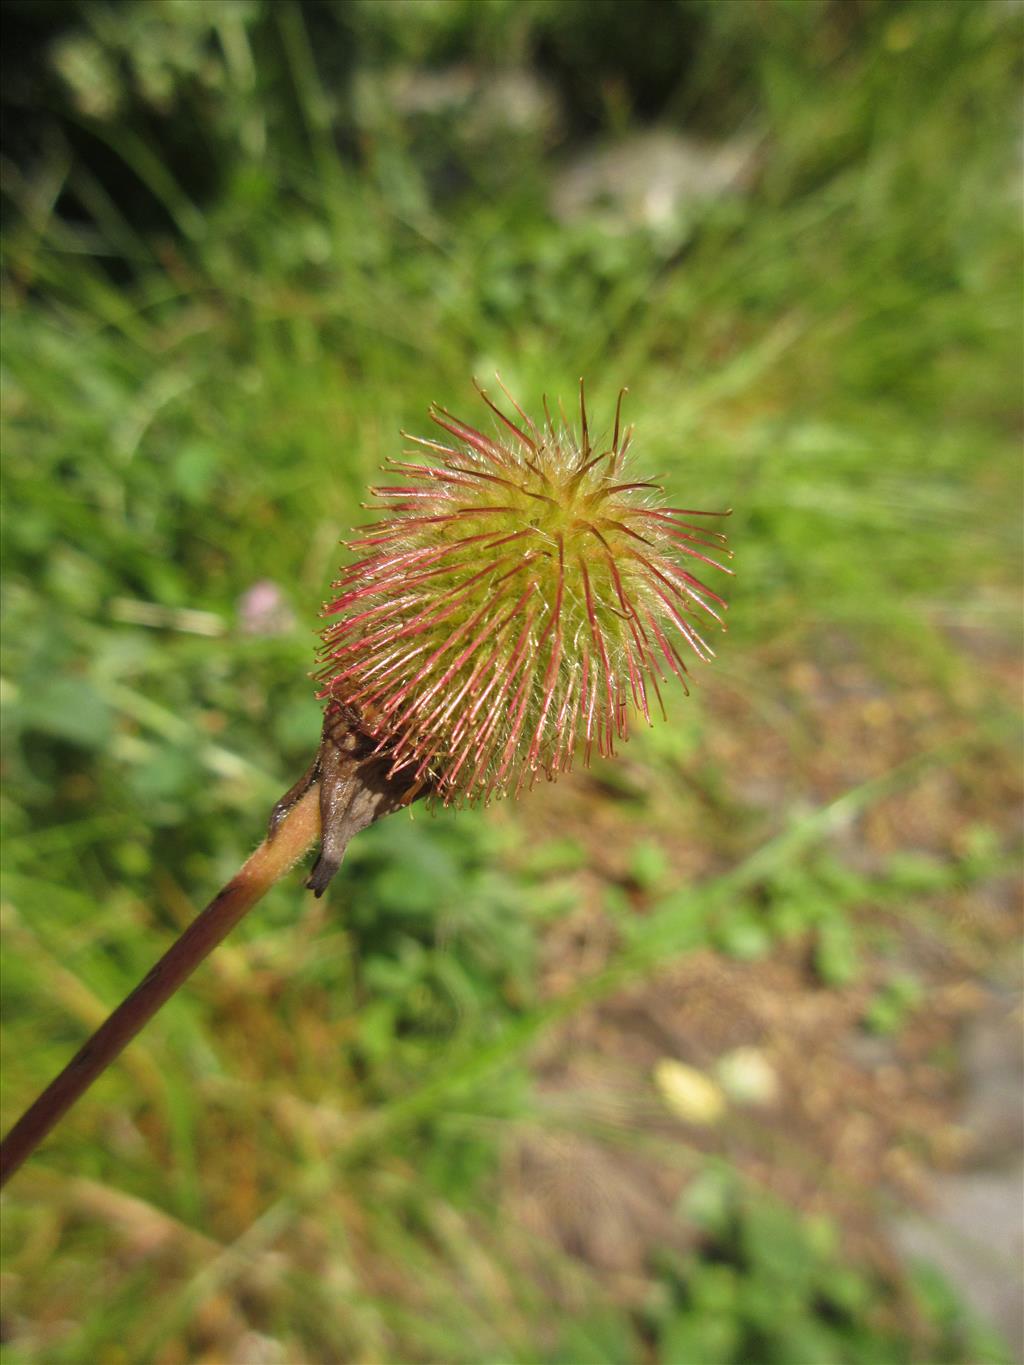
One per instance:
[(688, 1093), (748, 1077)]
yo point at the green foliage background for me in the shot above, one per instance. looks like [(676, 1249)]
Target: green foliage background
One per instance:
[(234, 269)]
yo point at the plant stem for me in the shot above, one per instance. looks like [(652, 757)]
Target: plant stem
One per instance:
[(275, 856)]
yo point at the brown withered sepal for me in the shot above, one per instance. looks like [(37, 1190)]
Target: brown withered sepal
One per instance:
[(358, 785)]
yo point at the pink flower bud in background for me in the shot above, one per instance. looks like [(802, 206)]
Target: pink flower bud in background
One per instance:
[(523, 594), (263, 610)]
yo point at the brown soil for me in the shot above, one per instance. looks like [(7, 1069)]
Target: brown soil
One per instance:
[(860, 1122)]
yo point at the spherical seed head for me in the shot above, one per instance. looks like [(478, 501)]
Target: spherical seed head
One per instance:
[(522, 595)]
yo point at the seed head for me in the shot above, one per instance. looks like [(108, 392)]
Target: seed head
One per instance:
[(521, 596)]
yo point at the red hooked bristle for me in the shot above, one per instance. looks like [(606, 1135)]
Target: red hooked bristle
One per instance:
[(516, 599)]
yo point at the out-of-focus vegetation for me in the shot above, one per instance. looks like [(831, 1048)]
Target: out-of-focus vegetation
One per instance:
[(246, 243)]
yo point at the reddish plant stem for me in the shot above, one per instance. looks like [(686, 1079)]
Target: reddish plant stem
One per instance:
[(296, 831)]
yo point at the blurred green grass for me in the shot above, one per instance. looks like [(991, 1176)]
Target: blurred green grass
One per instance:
[(198, 384)]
